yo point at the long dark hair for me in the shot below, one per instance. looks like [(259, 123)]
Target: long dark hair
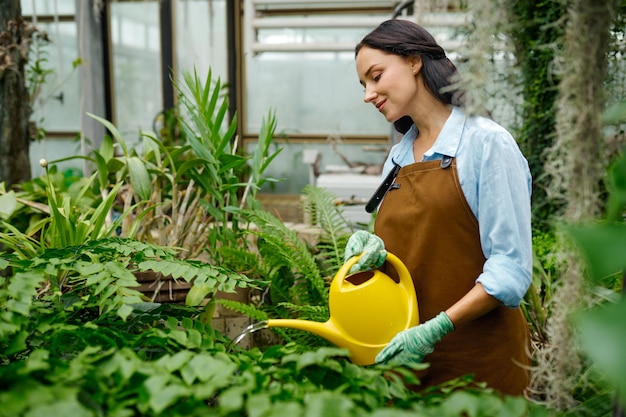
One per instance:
[(405, 38)]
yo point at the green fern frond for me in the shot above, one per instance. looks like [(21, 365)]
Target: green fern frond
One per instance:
[(300, 274), (308, 312), (320, 205), (241, 260), (249, 310), (286, 245)]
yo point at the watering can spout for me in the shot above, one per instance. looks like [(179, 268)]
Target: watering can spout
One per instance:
[(325, 330), (360, 353)]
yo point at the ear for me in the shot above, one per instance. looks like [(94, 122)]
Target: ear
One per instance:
[(415, 63)]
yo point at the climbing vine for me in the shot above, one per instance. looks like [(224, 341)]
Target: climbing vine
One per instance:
[(535, 31)]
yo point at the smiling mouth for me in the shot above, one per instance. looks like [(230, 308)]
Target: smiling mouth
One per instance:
[(380, 104)]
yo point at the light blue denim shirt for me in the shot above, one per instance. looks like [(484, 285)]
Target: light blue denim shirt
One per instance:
[(496, 181)]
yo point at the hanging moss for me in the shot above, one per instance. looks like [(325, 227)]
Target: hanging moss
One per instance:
[(575, 166)]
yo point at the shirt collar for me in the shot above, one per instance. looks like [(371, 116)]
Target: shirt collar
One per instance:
[(449, 138)]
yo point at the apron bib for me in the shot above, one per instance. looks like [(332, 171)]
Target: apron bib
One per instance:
[(426, 221)]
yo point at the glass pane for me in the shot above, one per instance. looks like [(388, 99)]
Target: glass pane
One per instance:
[(136, 54), (52, 149), (48, 7), (312, 92), (201, 38), (57, 106)]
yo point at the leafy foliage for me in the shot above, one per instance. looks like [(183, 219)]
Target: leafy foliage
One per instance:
[(77, 339), (97, 277), (193, 377)]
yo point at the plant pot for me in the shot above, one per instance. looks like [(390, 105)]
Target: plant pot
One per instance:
[(162, 289)]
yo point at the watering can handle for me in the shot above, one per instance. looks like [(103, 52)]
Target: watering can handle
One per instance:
[(401, 269)]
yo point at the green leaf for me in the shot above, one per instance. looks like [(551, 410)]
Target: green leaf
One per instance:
[(190, 164), (116, 133), (164, 391), (197, 293), (616, 184), (124, 311), (288, 408), (258, 404), (604, 247), (61, 226), (514, 406), (603, 336), (139, 177), (194, 339), (61, 407), (212, 371), (151, 144), (317, 357), (123, 363), (462, 404), (8, 204), (99, 216), (37, 360), (18, 342), (229, 161), (107, 150), (325, 404), (177, 361), (231, 400), (615, 114)]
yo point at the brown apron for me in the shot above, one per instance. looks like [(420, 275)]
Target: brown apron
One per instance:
[(429, 225)]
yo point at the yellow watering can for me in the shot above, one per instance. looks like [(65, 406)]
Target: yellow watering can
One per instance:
[(367, 309)]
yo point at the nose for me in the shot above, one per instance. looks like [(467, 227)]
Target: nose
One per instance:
[(369, 96)]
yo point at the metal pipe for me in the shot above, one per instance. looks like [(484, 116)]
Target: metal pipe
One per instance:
[(360, 3), (400, 7), (258, 47), (430, 20)]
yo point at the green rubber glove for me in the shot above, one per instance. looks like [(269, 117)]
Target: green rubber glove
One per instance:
[(413, 344), (371, 246)]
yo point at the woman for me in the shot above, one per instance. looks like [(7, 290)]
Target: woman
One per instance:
[(457, 214)]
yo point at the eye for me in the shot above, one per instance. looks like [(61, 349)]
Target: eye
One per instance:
[(376, 77)]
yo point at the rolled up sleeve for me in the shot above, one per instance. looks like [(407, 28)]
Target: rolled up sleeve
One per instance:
[(504, 217)]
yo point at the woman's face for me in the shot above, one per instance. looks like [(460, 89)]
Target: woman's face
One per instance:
[(389, 80)]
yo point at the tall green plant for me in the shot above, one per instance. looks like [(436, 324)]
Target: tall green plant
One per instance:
[(219, 169), (187, 192)]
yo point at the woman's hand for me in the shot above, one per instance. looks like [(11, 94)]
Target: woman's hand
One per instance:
[(370, 246), (413, 344)]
